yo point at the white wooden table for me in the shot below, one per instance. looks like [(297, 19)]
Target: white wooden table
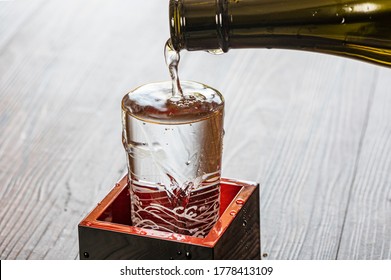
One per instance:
[(314, 130)]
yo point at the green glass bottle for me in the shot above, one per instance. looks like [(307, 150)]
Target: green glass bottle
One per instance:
[(358, 29)]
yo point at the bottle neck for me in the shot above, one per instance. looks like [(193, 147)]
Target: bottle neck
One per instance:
[(352, 28), (199, 25)]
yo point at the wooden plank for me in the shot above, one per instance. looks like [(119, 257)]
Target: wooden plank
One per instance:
[(367, 227), (13, 15), (62, 78), (307, 178), (294, 123)]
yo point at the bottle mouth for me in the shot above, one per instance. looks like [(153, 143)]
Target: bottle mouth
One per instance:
[(176, 25), (198, 25)]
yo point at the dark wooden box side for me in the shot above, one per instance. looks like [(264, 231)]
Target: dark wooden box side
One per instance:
[(98, 244), (242, 238)]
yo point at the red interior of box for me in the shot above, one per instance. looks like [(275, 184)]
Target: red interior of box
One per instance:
[(113, 213), (119, 211)]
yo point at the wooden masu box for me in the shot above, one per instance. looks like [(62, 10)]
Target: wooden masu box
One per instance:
[(107, 233)]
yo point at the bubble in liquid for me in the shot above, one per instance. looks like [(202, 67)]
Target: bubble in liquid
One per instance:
[(176, 98)]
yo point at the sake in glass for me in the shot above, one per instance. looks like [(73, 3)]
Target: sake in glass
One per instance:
[(174, 150)]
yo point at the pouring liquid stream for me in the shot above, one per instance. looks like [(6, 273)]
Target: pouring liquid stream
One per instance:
[(172, 59)]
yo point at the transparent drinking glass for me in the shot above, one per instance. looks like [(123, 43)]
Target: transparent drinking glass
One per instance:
[(174, 150)]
